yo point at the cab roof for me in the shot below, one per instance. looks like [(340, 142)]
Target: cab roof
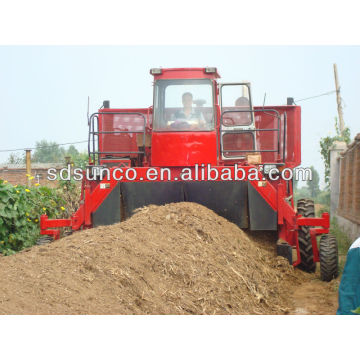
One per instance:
[(185, 73)]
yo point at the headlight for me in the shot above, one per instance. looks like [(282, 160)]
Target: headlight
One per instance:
[(155, 71), (210, 70)]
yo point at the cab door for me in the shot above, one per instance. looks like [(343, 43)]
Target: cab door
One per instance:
[(237, 127)]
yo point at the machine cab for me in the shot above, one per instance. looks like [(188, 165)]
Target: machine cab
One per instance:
[(193, 125), (184, 117)]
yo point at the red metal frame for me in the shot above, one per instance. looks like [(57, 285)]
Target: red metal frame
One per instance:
[(168, 150)]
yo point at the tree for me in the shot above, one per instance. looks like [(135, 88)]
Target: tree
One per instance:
[(326, 144), (72, 151), (48, 152), (313, 184), (295, 184), (51, 152), (79, 159), (16, 159)]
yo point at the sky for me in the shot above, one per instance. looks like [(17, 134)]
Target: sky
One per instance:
[(44, 89)]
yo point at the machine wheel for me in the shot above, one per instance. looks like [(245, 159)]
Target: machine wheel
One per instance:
[(46, 239), (305, 207), (329, 260)]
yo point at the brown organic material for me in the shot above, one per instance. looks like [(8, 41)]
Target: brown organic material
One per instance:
[(174, 259)]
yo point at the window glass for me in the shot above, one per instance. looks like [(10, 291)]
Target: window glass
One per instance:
[(183, 105), (235, 105)]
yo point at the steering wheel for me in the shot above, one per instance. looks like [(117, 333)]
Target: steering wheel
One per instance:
[(180, 125)]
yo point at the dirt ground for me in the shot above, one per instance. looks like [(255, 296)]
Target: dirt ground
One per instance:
[(174, 259), (309, 295), (315, 297)]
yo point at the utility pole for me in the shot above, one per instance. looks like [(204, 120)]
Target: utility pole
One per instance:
[(28, 166), (338, 99)]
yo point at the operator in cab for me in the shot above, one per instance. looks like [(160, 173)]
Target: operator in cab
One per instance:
[(188, 117), (242, 101), (244, 117)]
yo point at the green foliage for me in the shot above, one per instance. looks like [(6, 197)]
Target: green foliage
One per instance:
[(72, 151), (356, 311), (20, 210), (295, 184), (80, 160), (16, 159), (326, 144), (301, 193), (323, 198), (313, 184), (51, 152), (48, 152), (344, 242), (312, 189), (70, 193)]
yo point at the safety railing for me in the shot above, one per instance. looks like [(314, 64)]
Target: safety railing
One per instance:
[(240, 129), (93, 137)]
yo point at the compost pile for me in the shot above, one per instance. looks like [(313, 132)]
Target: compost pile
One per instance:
[(174, 259)]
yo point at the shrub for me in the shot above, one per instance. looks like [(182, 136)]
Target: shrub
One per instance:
[(20, 211)]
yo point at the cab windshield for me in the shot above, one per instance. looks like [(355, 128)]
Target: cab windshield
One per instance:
[(183, 105)]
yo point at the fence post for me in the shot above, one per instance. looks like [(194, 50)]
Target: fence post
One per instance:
[(28, 166)]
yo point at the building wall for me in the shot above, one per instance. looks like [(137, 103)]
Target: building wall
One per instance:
[(351, 228), (17, 176), (345, 176)]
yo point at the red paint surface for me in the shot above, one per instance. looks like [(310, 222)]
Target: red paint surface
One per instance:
[(183, 148)]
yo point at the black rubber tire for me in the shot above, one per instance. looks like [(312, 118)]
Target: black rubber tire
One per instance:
[(306, 208), (46, 239), (329, 258)]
